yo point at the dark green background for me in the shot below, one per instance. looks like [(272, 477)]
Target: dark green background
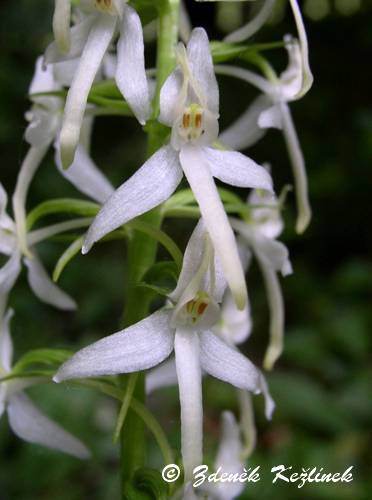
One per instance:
[(322, 384)]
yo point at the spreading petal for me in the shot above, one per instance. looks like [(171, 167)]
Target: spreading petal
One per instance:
[(138, 347), (237, 169), (186, 347), (169, 95), (253, 25), (61, 24), (6, 345), (95, 48), (85, 175), (161, 376), (152, 184), (201, 182), (130, 72), (28, 423), (227, 364), (44, 288), (245, 132), (192, 259), (201, 65)]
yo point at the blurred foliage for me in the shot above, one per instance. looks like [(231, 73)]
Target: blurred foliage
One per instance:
[(322, 384)]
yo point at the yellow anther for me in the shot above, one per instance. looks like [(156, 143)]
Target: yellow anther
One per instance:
[(196, 307), (192, 122)]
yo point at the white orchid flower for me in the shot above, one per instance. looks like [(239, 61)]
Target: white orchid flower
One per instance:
[(43, 130), (90, 40), (272, 111), (272, 257), (38, 279), (25, 420), (185, 327), (189, 104)]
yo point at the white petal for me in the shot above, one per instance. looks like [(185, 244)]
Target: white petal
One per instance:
[(61, 24), (265, 213), (201, 182), (192, 259), (44, 288), (85, 176), (185, 25), (78, 38), (292, 77), (43, 79), (130, 72), (6, 222), (141, 346), (95, 48), (237, 169), (64, 71), (245, 132), (201, 64), (186, 347), (236, 325), (26, 173), (28, 423), (161, 376), (271, 118), (9, 273), (229, 448), (227, 364), (169, 95), (42, 127), (253, 25), (228, 458), (298, 168), (307, 75), (6, 345), (152, 184)]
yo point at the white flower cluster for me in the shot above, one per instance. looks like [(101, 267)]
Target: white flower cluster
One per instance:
[(207, 315)]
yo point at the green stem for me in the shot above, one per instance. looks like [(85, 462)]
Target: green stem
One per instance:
[(142, 250)]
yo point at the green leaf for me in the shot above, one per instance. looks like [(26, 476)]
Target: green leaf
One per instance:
[(41, 356), (70, 206)]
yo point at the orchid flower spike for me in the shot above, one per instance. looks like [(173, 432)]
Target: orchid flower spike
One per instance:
[(272, 256), (89, 41), (183, 326), (189, 103), (25, 420)]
